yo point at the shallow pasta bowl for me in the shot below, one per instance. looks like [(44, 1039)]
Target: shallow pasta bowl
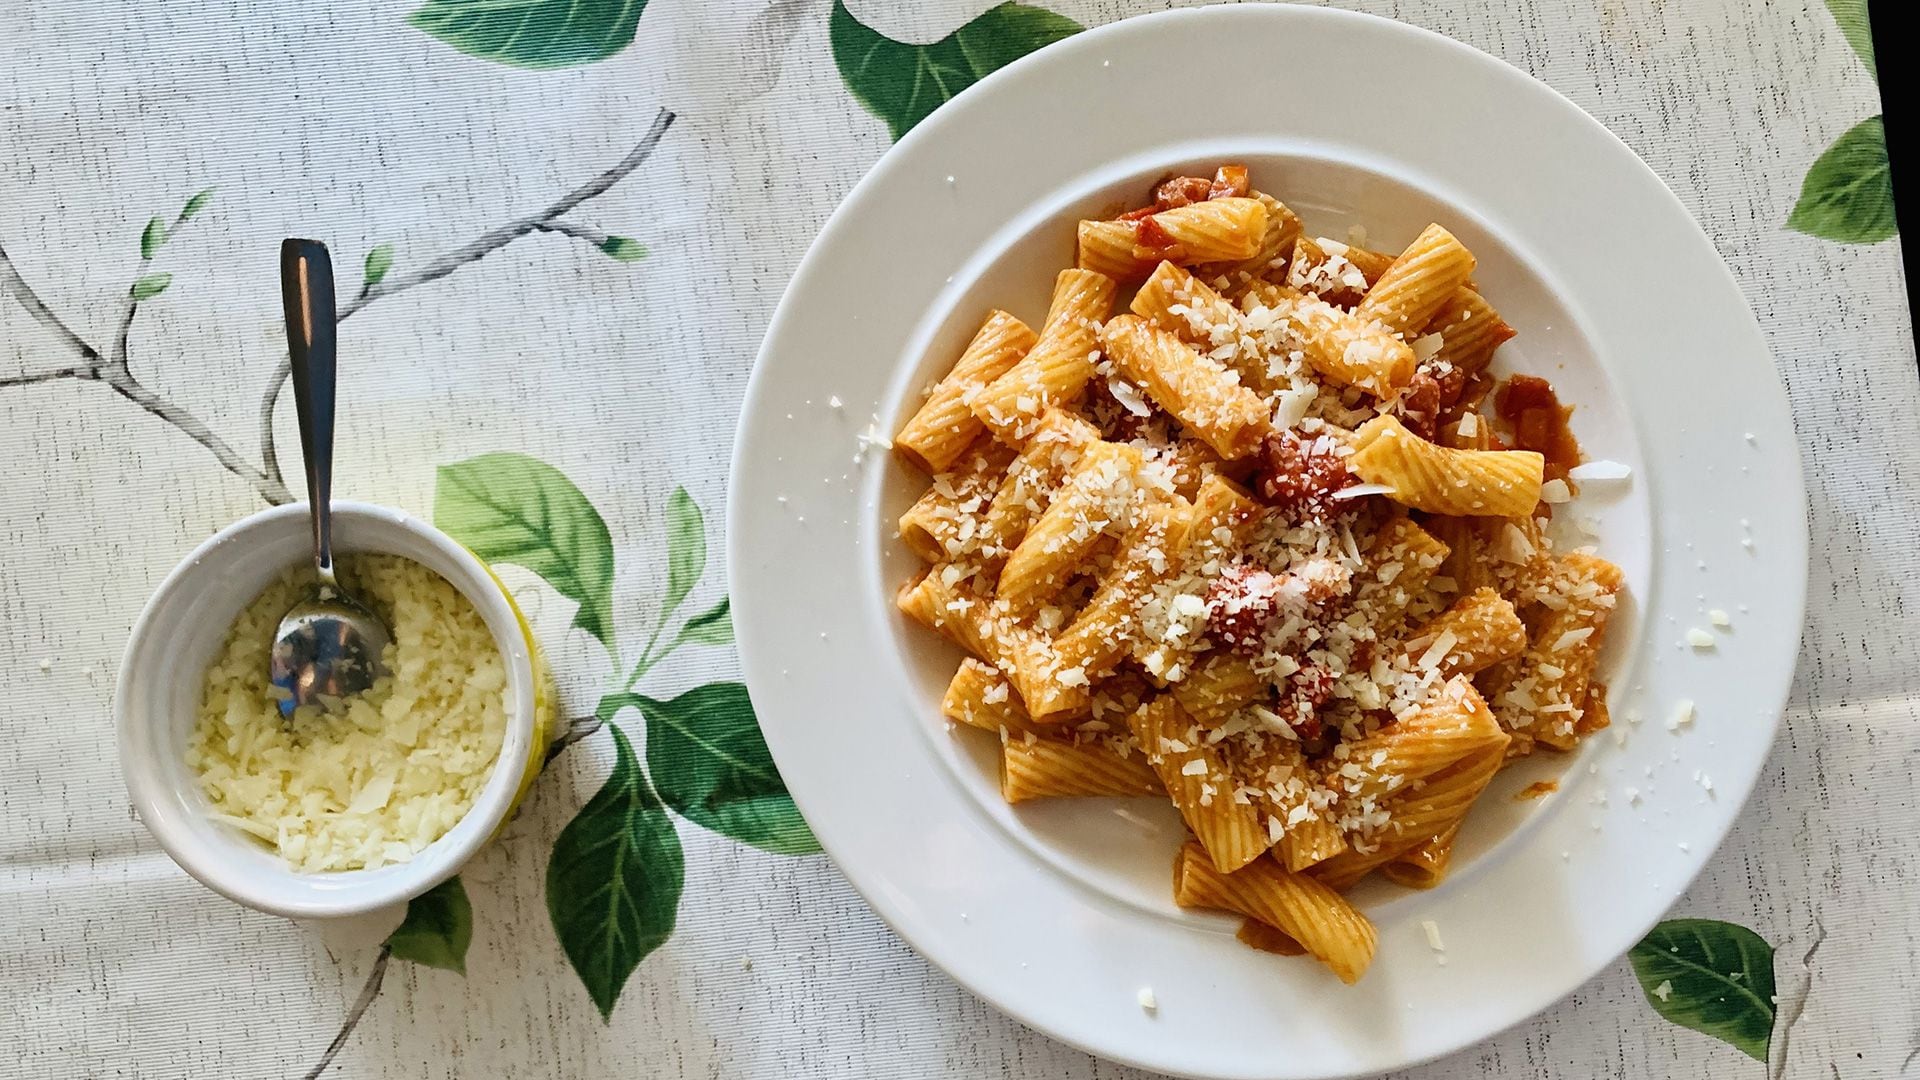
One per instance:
[(1060, 914)]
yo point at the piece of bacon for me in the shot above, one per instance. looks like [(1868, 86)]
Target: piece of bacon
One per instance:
[(1181, 191), (1150, 241), (1299, 476), (1418, 405), (1231, 182)]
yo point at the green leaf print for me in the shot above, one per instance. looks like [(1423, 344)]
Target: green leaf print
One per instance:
[(686, 549), (624, 248), (1857, 29), (706, 754), (438, 928), (613, 885), (1848, 193), (713, 626), (194, 206), (151, 286), (1711, 976), (511, 508), (151, 237), (902, 83), (379, 261), (537, 34)]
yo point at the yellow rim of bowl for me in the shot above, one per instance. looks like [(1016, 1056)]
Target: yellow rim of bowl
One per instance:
[(543, 695)]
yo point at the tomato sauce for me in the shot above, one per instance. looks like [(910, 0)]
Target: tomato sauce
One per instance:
[(1267, 939), (1153, 238), (1539, 422)]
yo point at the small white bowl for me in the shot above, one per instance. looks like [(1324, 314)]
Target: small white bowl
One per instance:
[(184, 626)]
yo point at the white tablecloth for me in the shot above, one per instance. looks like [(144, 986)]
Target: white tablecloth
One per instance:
[(624, 371)]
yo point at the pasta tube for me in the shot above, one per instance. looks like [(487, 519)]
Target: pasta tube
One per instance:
[(1092, 501), (1055, 371), (1207, 795), (1304, 909), (1430, 477), (1049, 768), (1548, 696), (944, 523), (945, 426), (1344, 349), (1183, 305), (1479, 630), (1203, 395), (1416, 816), (1418, 283)]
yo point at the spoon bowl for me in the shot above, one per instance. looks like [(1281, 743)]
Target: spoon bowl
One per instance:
[(328, 647)]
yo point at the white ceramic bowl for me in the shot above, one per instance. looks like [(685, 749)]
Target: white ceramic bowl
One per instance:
[(1058, 911), (184, 625)]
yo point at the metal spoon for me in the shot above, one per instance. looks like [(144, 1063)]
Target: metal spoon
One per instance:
[(329, 644)]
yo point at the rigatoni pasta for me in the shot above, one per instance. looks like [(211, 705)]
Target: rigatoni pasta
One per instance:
[(1178, 302), (1342, 348), (1469, 330), (1276, 244), (1056, 369), (1547, 695), (1321, 268), (1195, 390), (1441, 480), (1202, 787), (1091, 501), (1418, 283), (1256, 546), (945, 425), (1221, 227), (945, 521), (1306, 910), (1033, 767)]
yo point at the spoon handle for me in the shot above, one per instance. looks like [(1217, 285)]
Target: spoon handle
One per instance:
[(306, 286)]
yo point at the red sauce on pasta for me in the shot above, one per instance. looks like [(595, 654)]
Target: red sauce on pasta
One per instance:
[(1267, 939), (1538, 421), (1152, 237)]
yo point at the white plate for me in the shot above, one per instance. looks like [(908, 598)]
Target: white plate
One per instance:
[(1061, 913)]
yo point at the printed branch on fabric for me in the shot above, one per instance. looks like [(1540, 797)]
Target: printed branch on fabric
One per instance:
[(549, 219), (80, 360), (83, 361), (616, 876)]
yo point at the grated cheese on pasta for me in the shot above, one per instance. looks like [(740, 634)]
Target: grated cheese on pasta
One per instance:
[(1271, 583)]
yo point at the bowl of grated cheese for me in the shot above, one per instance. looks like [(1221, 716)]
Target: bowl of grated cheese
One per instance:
[(330, 814)]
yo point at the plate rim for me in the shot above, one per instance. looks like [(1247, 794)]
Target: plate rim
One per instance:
[(1795, 585)]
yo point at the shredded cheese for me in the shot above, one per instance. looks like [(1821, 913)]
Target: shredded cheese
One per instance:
[(392, 772)]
